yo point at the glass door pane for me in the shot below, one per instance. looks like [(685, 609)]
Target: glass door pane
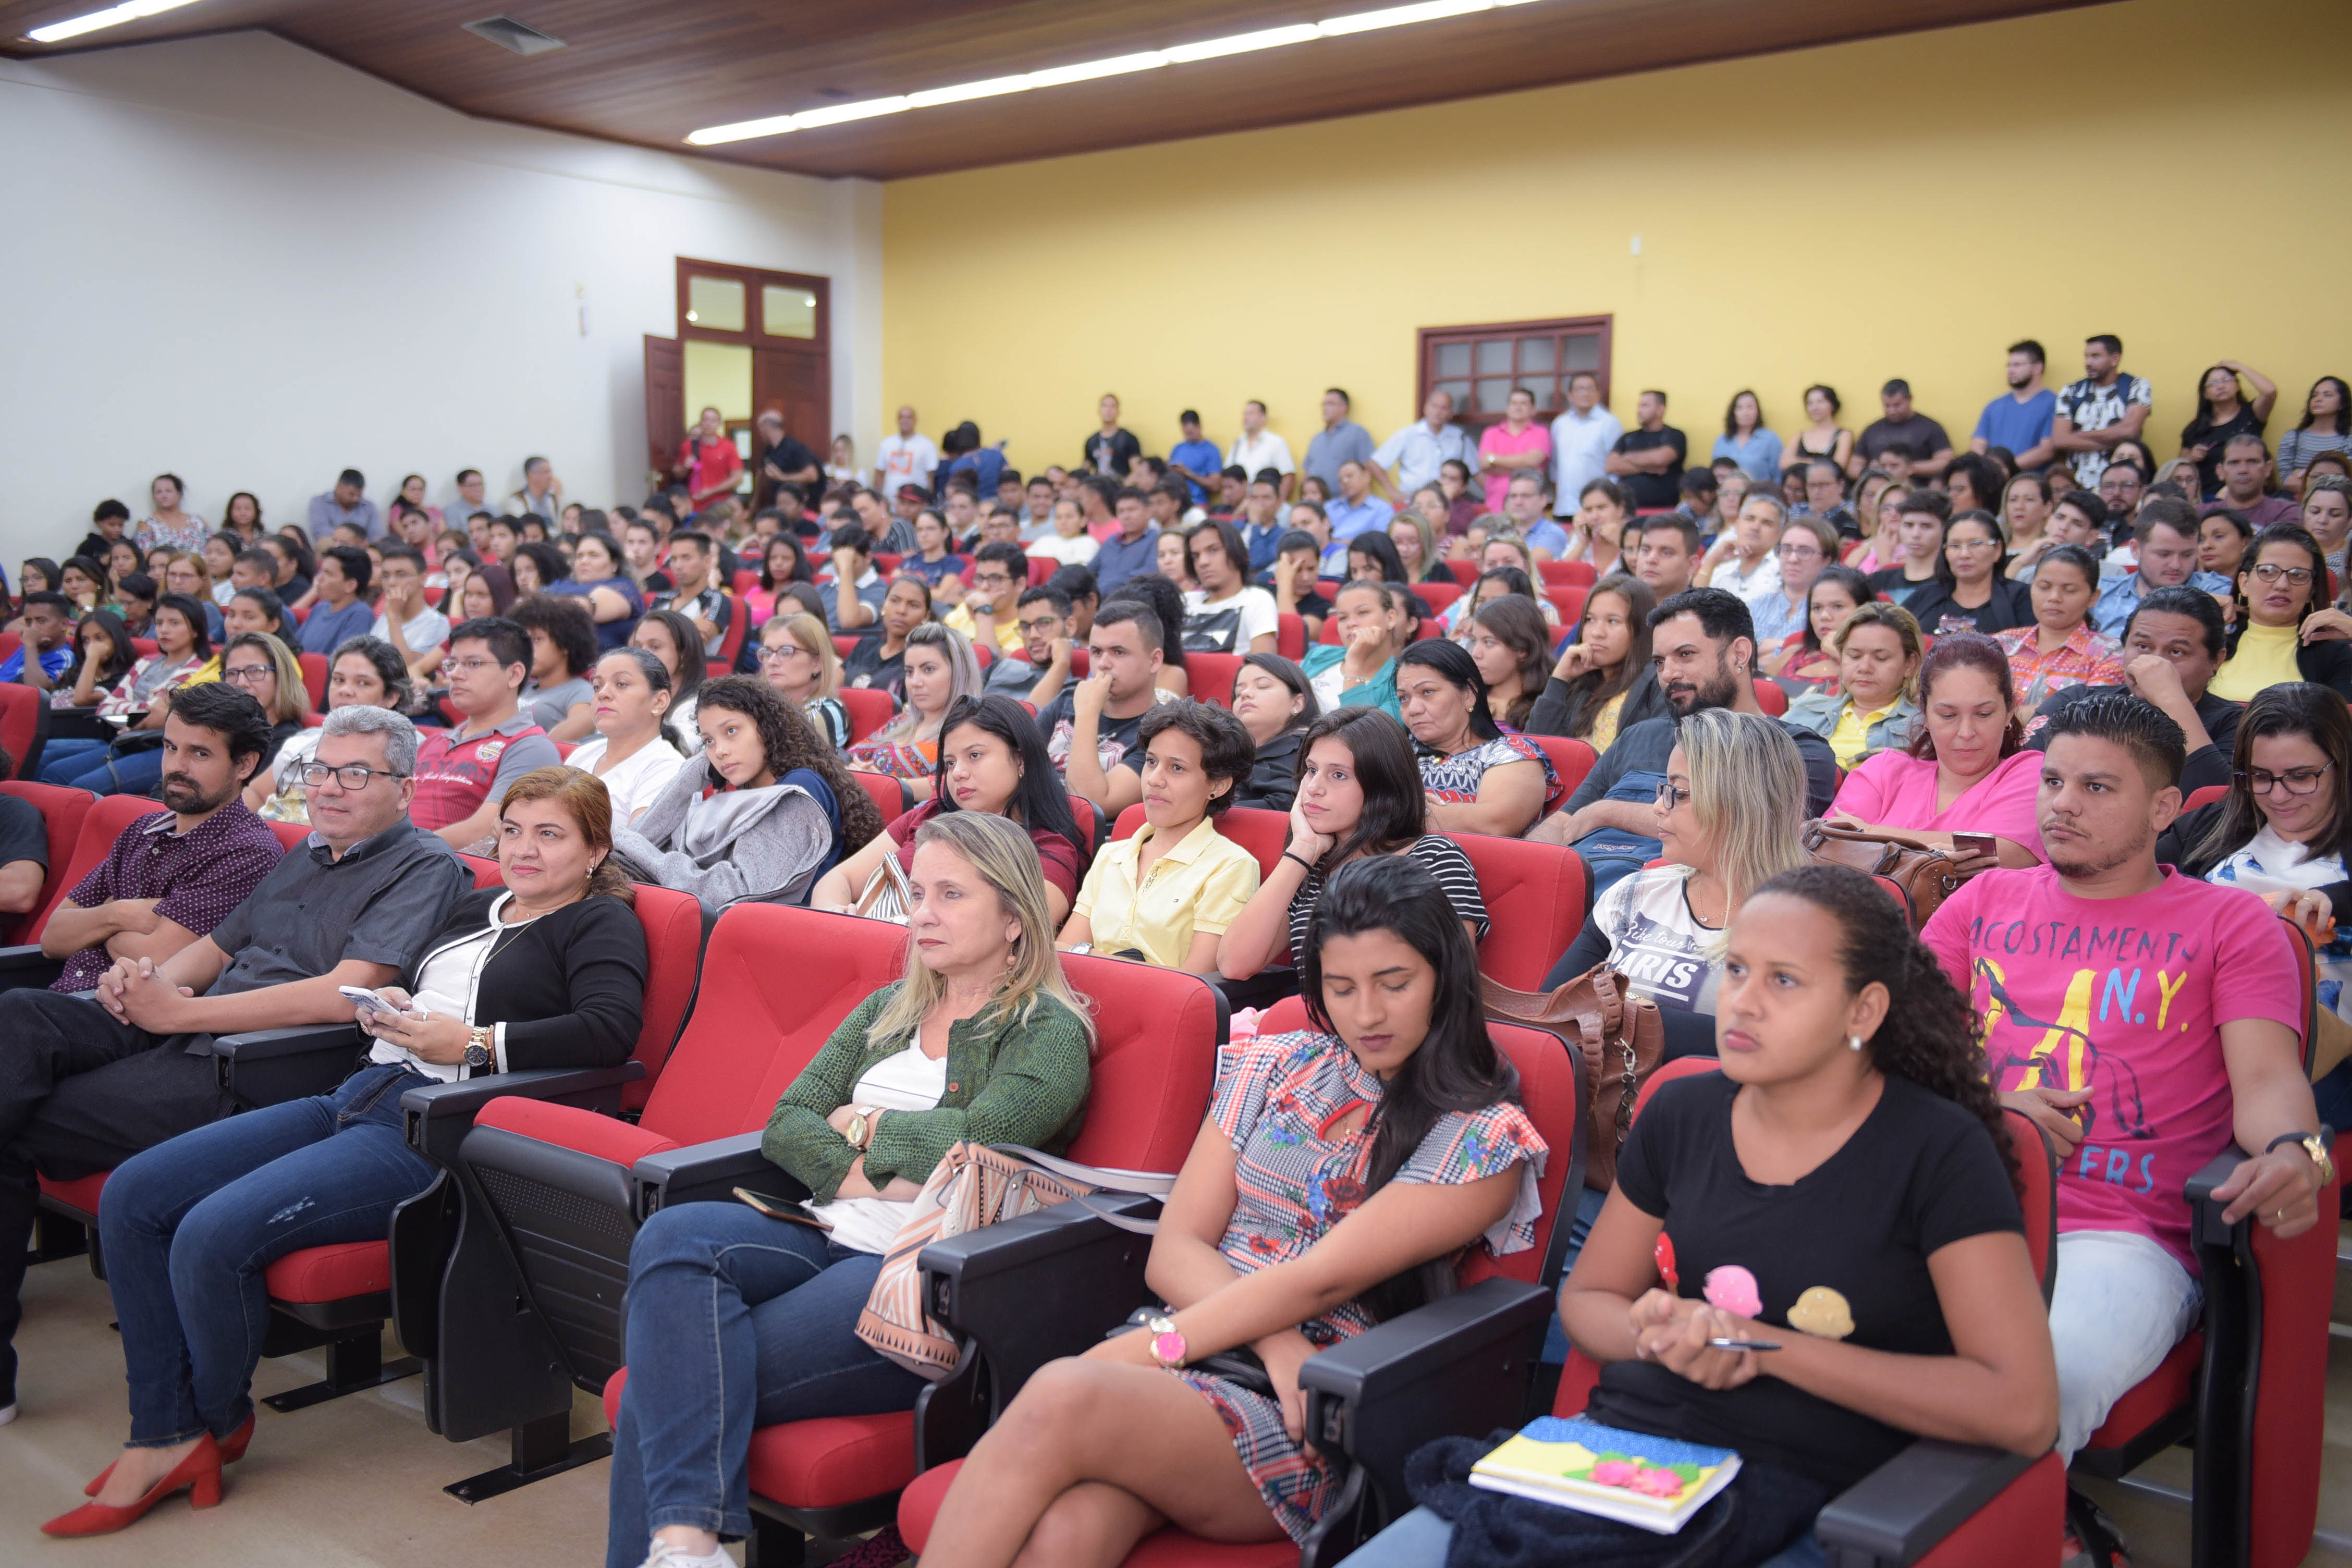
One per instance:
[(786, 312), (717, 303)]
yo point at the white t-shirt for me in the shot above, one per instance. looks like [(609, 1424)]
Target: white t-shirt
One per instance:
[(1268, 451), (1078, 552), (1229, 625), (634, 782), (448, 983), (908, 1081), (904, 461), (1664, 952), (1760, 579), (426, 629)]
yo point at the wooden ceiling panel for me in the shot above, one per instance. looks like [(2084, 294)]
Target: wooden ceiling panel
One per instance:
[(649, 75)]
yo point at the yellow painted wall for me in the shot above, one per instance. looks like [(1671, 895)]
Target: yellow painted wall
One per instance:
[(2170, 171), (717, 375)]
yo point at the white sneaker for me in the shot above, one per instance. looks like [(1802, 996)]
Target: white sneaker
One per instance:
[(7, 1414), (665, 1556)]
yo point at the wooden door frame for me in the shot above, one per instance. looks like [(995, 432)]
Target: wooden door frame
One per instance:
[(818, 348)]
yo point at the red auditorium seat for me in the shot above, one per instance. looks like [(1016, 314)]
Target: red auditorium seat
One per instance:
[(1290, 638), (1212, 675), (24, 724), (1770, 697), (1537, 897), (1466, 573), (1571, 759), (891, 797), (845, 645), (868, 709), (315, 671), (1437, 595), (745, 579), (1469, 1353), (1565, 573), (63, 811), (2205, 797), (1041, 569), (1262, 833), (1569, 603), (886, 563), (1091, 825)]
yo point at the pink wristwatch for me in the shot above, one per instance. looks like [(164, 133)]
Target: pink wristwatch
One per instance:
[(1167, 1344)]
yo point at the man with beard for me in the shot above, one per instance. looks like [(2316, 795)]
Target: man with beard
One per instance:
[(2018, 422), (1703, 644), (2146, 1020), (86, 1083)]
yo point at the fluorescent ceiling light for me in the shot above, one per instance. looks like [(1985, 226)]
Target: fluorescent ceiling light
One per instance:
[(112, 16), (1061, 76)]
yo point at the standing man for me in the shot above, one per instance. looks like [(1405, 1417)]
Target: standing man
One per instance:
[(463, 774), (347, 503), (1133, 549), (707, 462), (1648, 459), (1904, 423), (1112, 447), (781, 460), (1193, 459), (338, 612), (1341, 440), (1258, 448), (2021, 421), (2102, 409), (1353, 509), (1419, 450), (1581, 439), (542, 494), (1512, 447), (906, 457)]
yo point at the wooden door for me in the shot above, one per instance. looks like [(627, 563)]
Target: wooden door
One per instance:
[(665, 404), (797, 387)]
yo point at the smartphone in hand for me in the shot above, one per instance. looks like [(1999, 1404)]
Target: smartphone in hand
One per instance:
[(366, 1000)]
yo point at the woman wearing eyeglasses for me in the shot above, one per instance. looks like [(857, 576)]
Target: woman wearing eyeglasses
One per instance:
[(797, 657), (261, 666), (2283, 580)]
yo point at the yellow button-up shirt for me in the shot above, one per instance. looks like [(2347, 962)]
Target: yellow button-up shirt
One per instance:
[(1196, 887)]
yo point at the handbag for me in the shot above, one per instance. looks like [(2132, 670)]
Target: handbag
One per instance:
[(885, 895), (1927, 876), (1620, 1035), (974, 1186)]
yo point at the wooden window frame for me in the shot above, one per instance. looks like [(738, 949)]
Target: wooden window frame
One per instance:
[(1599, 328), (754, 306)]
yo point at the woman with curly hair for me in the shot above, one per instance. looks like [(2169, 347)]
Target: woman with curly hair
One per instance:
[(784, 811)]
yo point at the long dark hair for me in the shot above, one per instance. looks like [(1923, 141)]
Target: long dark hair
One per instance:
[(1970, 650), (118, 661), (1519, 626), (656, 674), (1038, 803), (193, 613), (1395, 812), (2290, 707), (1589, 692), (1452, 661), (1456, 1069), (2343, 404), (800, 572), (1292, 677), (788, 742), (1929, 1034), (1167, 601), (1857, 587), (692, 667), (2293, 533), (1377, 545)]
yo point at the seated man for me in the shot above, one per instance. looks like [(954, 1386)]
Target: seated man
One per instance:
[(699, 595), (2172, 646), (1089, 727), (405, 619), (1663, 553), (999, 572), (1044, 617), (463, 774), (859, 608), (339, 610), (47, 622), (84, 1083), (2166, 539), (2146, 1020)]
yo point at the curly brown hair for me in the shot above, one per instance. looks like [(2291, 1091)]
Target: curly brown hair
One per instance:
[(789, 742), (1929, 1034)]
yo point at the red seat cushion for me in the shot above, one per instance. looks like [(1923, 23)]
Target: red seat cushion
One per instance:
[(825, 1463), (334, 1273), (1167, 1549), (2172, 1385), (79, 1195), (605, 1137)]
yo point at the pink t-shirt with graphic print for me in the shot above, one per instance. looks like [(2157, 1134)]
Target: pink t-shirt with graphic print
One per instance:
[(2128, 997)]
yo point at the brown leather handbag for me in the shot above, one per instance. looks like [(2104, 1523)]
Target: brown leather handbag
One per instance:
[(1927, 876), (1620, 1035)]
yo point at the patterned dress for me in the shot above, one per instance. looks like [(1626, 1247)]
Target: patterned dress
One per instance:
[(1293, 1182), (1454, 779), (908, 760), (2084, 658)]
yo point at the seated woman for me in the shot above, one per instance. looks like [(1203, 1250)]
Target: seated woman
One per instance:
[(599, 575), (2281, 586), (785, 812), (939, 668), (933, 561), (675, 640), (1494, 582), (365, 672), (783, 560), (1360, 670), (2061, 648), (548, 971), (1511, 647), (993, 760), (879, 661), (1870, 705), (1597, 536), (1603, 680), (133, 761), (1968, 592), (1811, 655), (1963, 771), (1167, 894), (1359, 796), (983, 1040), (1332, 1168), (1478, 779), (263, 668), (1729, 817), (796, 657), (1274, 702), (184, 573), (563, 651), (1372, 557), (1414, 532), (104, 655), (635, 750), (258, 610), (1843, 1047), (83, 582)]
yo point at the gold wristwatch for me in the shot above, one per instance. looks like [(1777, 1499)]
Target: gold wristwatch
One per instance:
[(2318, 1147), (860, 1131), (479, 1053)]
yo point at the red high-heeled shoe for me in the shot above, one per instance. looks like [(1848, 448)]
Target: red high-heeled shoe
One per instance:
[(233, 1448), (199, 1473)]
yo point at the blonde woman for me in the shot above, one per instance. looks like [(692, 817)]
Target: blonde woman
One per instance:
[(1729, 817), (797, 657), (940, 668), (1417, 547), (983, 1040), (1874, 704)]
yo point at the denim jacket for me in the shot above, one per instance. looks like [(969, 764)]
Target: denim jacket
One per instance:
[(1820, 711)]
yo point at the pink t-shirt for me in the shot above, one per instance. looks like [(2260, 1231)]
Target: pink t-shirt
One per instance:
[(2128, 997), (1893, 790), (1498, 441)]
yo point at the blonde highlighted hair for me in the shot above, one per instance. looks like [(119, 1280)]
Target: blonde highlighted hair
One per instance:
[(1001, 851), (583, 794), (809, 633), (1896, 619), (1747, 793), (963, 668)]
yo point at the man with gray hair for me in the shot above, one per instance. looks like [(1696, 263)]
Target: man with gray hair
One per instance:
[(86, 1081)]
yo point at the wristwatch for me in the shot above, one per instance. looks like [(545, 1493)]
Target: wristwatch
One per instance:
[(2318, 1147), (1168, 1346), (861, 1125), (478, 1049)]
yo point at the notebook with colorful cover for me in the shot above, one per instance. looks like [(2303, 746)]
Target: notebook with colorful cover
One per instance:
[(1654, 1483)]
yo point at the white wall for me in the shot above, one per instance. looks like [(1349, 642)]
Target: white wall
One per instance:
[(236, 260)]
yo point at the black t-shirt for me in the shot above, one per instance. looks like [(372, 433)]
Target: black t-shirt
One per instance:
[(23, 835), (1919, 1173), (1115, 738), (2203, 432), (1932, 605), (1921, 434), (865, 667), (1111, 453), (1650, 491)]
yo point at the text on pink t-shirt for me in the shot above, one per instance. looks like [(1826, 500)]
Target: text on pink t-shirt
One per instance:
[(1893, 790)]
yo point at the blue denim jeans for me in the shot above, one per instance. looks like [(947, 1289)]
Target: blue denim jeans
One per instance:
[(64, 759), (735, 1322), (87, 766), (190, 1226), (1420, 1540)]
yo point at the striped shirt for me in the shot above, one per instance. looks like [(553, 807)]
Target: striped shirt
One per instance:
[(1440, 857)]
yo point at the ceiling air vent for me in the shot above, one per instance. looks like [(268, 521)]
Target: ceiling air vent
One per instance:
[(510, 34)]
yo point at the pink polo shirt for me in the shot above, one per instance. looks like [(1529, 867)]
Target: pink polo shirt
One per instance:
[(1498, 442)]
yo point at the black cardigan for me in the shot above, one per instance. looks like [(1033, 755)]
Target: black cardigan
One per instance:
[(1559, 709), (570, 986), (1273, 780)]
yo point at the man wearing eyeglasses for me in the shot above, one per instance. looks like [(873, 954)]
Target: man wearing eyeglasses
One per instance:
[(463, 774), (86, 1082), (998, 573)]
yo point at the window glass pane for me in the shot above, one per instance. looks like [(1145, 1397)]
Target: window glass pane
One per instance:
[(1453, 359), (1493, 393), (717, 375), (1535, 357), (787, 312), (716, 303), (1495, 357), (1580, 352), (1550, 397), (1457, 390)]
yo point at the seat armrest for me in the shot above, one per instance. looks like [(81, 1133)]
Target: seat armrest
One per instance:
[(707, 1173), (271, 1067), (1901, 1511), (27, 968), (2207, 1226), (1030, 1290), (438, 1116)]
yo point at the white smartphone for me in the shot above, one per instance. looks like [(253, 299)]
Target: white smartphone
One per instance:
[(364, 999)]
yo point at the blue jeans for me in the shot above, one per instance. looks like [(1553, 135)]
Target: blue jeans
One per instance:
[(85, 764), (190, 1226), (735, 1322), (1421, 1538)]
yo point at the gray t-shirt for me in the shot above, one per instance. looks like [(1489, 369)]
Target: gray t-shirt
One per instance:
[(548, 705)]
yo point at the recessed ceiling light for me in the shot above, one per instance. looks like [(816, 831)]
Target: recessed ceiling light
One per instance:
[(1095, 70), (112, 16)]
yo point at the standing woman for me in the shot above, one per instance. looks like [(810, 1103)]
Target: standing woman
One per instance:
[(796, 657), (1598, 535), (1478, 779), (169, 526), (635, 750), (2325, 427), (2283, 580), (1870, 705), (1274, 702), (940, 668), (1811, 655), (2223, 410), (1968, 592), (1822, 435), (677, 643), (1604, 681), (242, 517), (600, 575), (2061, 648), (1511, 647), (1746, 441)]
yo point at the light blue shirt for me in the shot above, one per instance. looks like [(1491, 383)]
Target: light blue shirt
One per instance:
[(1579, 452), (326, 515), (2122, 598), (1759, 457), (1775, 618), (1547, 534), (1201, 457), (1417, 452), (1349, 518), (1118, 560)]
